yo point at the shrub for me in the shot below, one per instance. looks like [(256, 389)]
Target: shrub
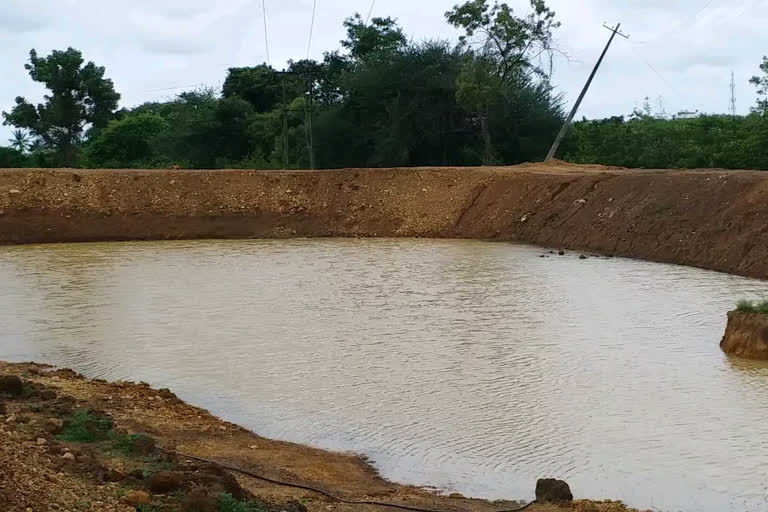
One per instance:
[(85, 427), (748, 306), (228, 503)]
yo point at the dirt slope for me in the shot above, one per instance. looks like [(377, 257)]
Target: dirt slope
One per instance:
[(35, 473), (711, 219)]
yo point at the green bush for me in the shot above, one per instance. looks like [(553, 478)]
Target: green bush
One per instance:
[(85, 427), (228, 503), (748, 306)]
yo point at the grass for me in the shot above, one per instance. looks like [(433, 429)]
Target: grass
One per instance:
[(227, 503), (85, 427), (748, 306)]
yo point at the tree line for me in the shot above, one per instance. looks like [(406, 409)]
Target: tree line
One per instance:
[(379, 100)]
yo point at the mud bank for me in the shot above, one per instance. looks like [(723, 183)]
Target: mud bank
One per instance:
[(746, 335), (709, 219), (138, 443)]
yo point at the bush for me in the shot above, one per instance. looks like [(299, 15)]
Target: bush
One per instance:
[(748, 306), (85, 427), (227, 503)]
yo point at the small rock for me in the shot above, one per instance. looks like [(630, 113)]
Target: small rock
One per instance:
[(113, 475), (68, 456), (144, 445), (198, 501), (164, 482), (11, 418), (561, 252), (136, 498), (457, 496), (136, 474), (14, 191), (41, 441), (550, 490), (48, 394), (53, 425), (11, 385), (583, 257)]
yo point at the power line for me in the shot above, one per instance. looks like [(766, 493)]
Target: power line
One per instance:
[(373, 2), (311, 27), (266, 39)]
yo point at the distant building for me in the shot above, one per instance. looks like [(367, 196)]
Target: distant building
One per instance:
[(686, 114)]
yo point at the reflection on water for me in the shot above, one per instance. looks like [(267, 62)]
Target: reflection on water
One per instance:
[(472, 366)]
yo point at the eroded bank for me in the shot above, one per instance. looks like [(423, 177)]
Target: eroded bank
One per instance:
[(710, 219)]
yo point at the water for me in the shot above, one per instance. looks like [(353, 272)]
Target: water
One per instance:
[(474, 367)]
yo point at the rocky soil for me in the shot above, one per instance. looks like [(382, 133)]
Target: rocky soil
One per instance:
[(709, 218), (746, 335), (71, 444)]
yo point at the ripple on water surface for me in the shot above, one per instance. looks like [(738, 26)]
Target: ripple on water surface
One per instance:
[(471, 366)]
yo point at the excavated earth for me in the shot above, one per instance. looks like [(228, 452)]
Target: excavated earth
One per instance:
[(746, 335), (712, 219), (177, 457)]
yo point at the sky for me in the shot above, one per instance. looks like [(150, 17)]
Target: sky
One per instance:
[(680, 53)]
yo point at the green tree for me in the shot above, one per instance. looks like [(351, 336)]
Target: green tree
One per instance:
[(11, 158), (127, 142), (20, 140), (80, 98), (514, 43), (380, 38), (761, 82), (509, 51)]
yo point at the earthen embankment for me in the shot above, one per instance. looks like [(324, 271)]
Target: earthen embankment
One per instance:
[(711, 219)]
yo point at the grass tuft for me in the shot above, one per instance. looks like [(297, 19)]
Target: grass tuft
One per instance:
[(85, 427), (748, 306), (228, 503)]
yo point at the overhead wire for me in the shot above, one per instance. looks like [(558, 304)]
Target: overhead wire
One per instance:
[(311, 27), (370, 11), (266, 37)]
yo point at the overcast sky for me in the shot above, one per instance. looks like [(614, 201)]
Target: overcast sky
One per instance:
[(682, 51)]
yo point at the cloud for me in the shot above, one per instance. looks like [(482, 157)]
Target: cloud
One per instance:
[(173, 46), (17, 17)]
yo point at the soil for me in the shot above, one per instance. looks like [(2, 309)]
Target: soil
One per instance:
[(712, 219), (746, 335), (42, 469)]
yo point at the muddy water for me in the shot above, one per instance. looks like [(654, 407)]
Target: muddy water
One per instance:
[(474, 367)]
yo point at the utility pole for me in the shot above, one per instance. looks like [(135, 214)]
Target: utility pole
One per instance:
[(285, 125), (732, 109), (311, 137), (569, 120)]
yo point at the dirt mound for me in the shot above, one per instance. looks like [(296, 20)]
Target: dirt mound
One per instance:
[(710, 219)]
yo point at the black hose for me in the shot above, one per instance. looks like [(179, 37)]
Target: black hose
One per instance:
[(246, 472)]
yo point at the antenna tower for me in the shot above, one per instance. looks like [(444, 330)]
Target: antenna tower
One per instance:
[(732, 107)]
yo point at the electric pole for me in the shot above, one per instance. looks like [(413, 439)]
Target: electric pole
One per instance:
[(732, 109), (569, 119)]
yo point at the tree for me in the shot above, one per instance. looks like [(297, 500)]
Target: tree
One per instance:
[(126, 142), (259, 85), (11, 158), (20, 140), (380, 38), (761, 82), (509, 47), (513, 43), (81, 98)]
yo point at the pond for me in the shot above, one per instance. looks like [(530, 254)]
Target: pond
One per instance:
[(471, 366)]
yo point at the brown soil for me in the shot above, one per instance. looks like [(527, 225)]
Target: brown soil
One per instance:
[(709, 218), (746, 335), (37, 473)]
